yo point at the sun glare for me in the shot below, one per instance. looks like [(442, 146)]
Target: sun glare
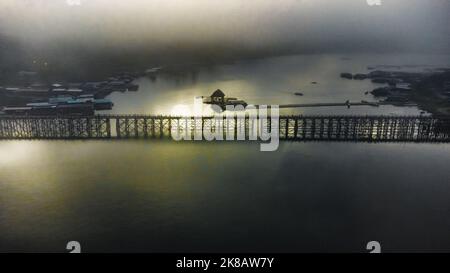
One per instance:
[(181, 110)]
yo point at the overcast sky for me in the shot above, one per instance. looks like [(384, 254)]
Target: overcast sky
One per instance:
[(324, 25)]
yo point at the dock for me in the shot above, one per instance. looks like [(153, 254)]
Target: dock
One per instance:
[(341, 104)]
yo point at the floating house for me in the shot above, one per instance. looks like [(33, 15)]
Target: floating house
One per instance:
[(218, 98)]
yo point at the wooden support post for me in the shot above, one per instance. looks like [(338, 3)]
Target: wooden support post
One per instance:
[(108, 127), (235, 127), (371, 129), (286, 128), (170, 127), (136, 126), (89, 127), (145, 125), (296, 128), (161, 127), (119, 135)]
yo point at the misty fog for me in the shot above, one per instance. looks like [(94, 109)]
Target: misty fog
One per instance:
[(76, 31)]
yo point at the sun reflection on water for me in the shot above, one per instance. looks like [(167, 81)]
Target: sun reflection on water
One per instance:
[(12, 152)]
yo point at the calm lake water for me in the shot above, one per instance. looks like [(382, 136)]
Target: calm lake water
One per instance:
[(274, 81), (163, 196)]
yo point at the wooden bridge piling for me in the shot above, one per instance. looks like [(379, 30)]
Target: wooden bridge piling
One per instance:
[(297, 128)]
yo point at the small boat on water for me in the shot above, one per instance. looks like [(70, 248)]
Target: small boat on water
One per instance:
[(298, 94), (370, 103)]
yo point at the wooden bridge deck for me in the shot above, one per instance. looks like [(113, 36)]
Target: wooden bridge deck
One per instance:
[(294, 128)]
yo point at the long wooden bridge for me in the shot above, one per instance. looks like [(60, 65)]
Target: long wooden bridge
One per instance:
[(294, 128)]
